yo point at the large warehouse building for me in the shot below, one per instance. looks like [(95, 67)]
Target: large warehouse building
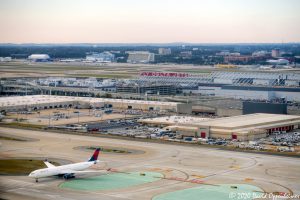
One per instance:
[(242, 127), (38, 102)]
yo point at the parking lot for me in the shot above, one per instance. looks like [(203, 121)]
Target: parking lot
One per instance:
[(279, 142)]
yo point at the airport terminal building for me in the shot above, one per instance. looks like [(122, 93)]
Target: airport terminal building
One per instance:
[(237, 85)]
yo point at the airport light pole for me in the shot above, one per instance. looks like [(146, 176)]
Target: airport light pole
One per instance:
[(49, 119), (26, 89), (78, 116)]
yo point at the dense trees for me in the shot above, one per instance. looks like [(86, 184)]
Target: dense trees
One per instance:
[(203, 54)]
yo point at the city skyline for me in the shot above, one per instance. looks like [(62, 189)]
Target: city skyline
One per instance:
[(133, 21)]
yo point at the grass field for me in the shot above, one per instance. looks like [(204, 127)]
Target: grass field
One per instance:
[(23, 125), (111, 150), (112, 75), (114, 70), (10, 138), (20, 166)]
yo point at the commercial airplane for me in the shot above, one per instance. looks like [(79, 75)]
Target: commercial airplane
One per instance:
[(66, 171)]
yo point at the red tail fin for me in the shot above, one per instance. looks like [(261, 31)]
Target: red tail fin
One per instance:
[(95, 155)]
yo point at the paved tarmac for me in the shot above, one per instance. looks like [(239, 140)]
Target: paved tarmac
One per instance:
[(182, 167)]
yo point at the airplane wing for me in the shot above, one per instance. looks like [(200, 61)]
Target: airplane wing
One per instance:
[(49, 165)]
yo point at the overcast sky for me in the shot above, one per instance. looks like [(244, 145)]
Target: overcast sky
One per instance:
[(147, 21)]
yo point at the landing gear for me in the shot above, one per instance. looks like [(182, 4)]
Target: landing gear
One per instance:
[(36, 180)]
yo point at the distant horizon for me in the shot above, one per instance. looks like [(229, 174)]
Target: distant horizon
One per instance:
[(154, 43), (155, 21)]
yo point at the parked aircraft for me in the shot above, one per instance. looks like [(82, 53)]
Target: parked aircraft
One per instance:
[(66, 171)]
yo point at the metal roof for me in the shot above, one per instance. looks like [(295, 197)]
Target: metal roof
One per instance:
[(42, 99)]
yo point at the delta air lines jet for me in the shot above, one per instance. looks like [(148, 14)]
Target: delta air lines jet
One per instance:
[(66, 171)]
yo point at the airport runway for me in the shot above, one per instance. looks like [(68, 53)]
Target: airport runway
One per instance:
[(183, 163)]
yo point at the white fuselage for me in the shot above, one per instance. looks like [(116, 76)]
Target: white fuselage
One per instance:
[(60, 170)]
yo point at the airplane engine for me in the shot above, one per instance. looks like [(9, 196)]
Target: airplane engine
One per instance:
[(67, 176)]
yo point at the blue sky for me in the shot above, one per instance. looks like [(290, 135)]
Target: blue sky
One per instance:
[(198, 21)]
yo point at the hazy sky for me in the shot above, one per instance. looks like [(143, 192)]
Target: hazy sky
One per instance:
[(128, 21)]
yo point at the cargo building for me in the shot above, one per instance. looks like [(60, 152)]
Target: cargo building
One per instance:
[(242, 127)]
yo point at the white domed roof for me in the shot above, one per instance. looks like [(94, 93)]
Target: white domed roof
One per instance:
[(38, 56)]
